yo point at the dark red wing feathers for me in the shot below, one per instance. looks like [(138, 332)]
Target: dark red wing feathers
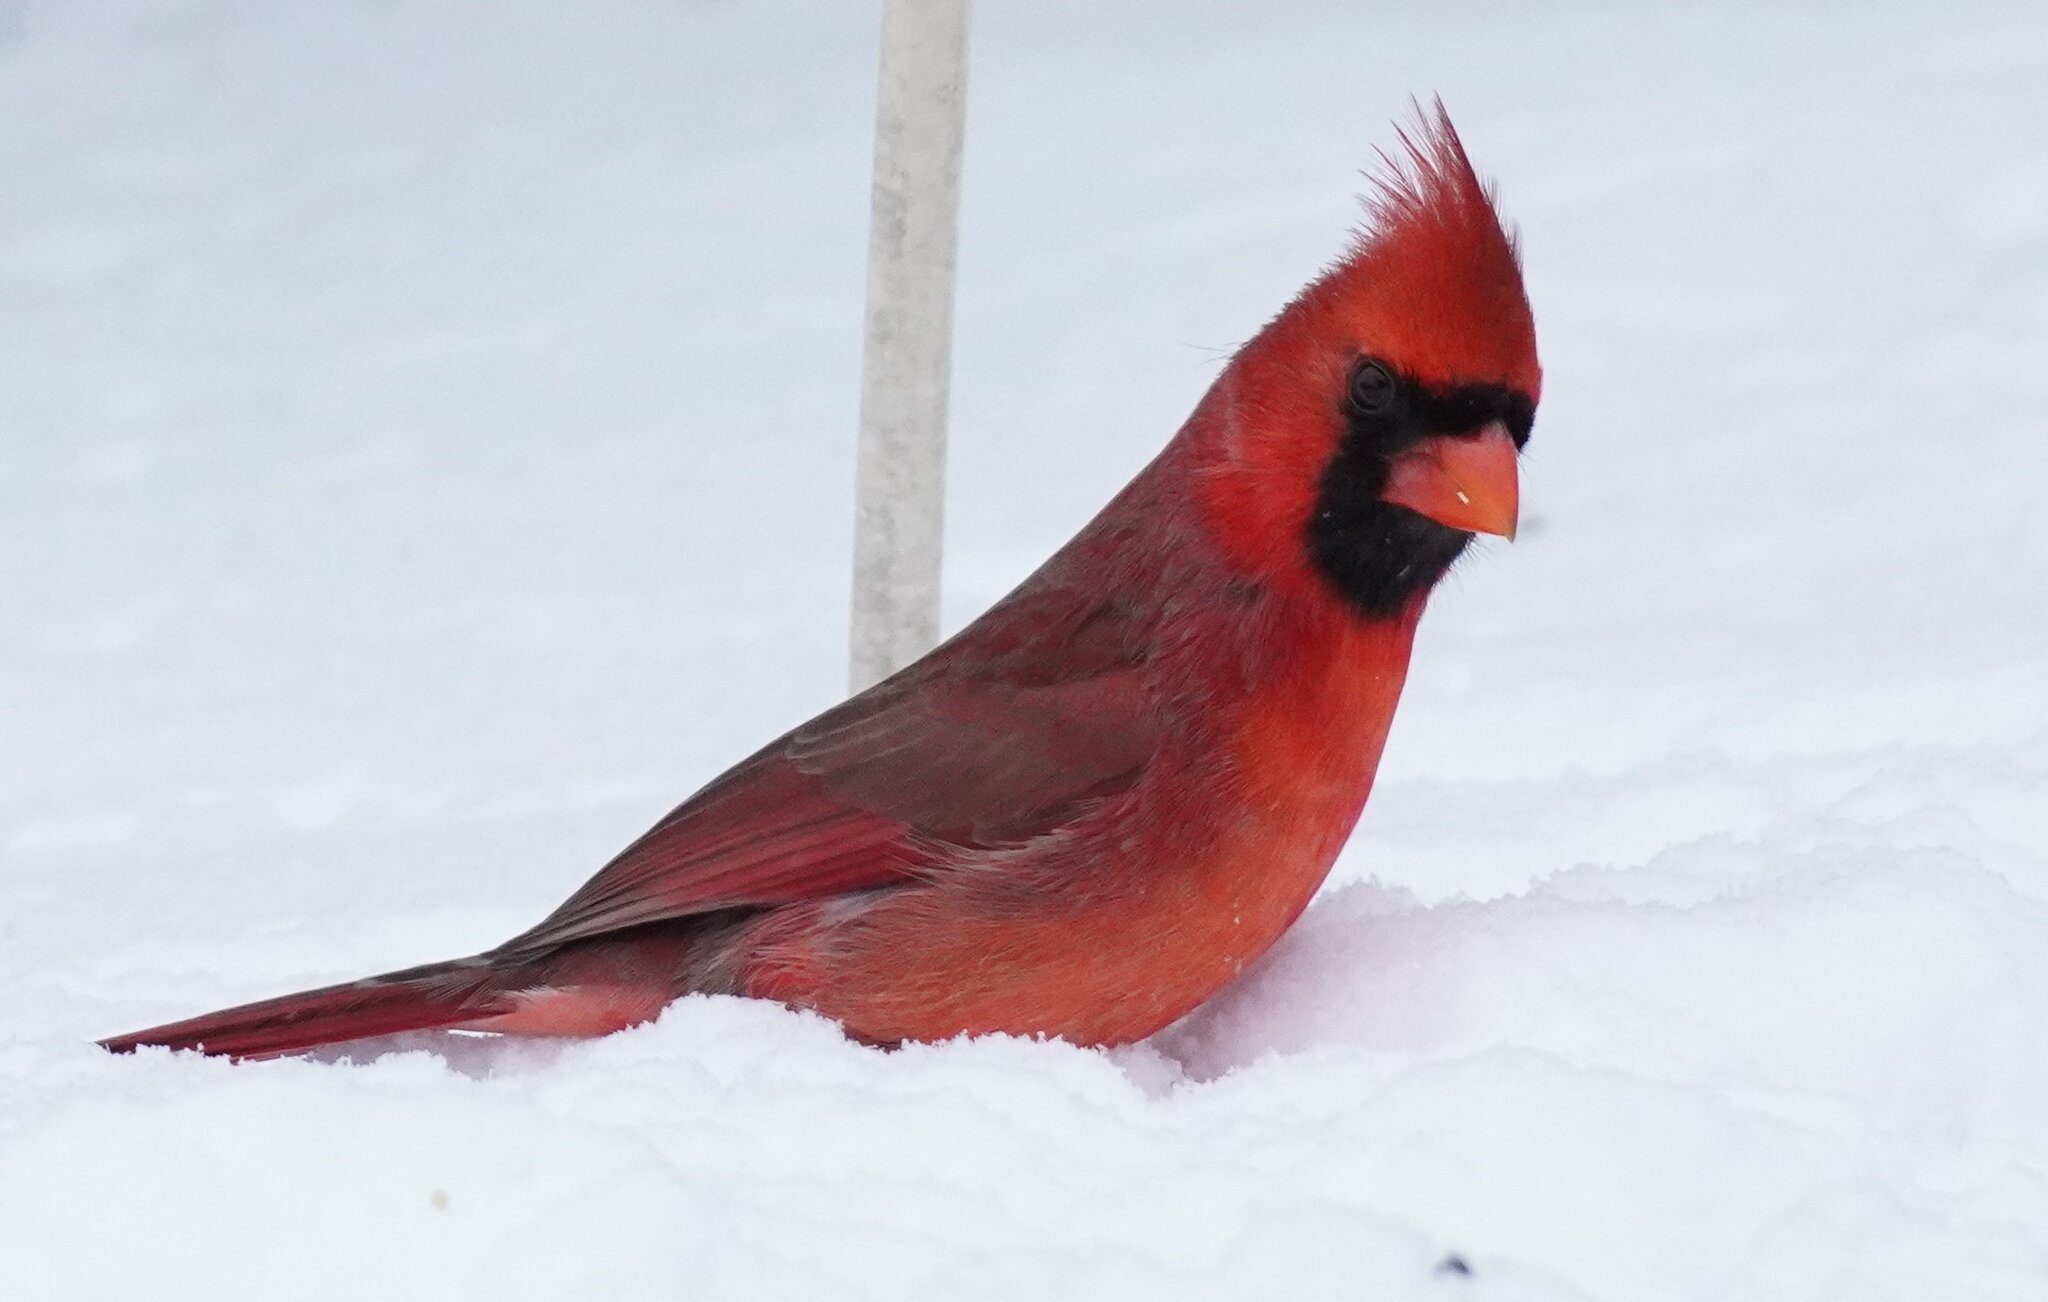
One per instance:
[(765, 834), (882, 789)]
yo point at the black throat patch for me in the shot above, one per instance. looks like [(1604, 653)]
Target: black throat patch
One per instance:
[(1378, 556)]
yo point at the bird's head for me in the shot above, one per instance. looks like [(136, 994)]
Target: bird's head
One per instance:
[(1362, 438)]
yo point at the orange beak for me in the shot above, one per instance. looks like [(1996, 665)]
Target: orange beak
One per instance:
[(1462, 481)]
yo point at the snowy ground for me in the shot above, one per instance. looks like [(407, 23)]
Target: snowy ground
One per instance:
[(425, 444)]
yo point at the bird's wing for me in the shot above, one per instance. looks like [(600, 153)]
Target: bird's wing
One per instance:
[(1008, 733)]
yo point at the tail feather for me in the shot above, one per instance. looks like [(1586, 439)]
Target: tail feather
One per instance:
[(437, 996)]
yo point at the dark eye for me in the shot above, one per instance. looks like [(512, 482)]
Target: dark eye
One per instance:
[(1373, 389)]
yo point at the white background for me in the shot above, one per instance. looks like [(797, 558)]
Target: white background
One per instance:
[(426, 452)]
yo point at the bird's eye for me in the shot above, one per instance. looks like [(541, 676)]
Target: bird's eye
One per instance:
[(1373, 389)]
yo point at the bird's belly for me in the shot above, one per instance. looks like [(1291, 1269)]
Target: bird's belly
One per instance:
[(926, 964), (1163, 903)]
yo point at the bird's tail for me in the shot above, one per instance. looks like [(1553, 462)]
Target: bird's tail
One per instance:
[(592, 987), (456, 994)]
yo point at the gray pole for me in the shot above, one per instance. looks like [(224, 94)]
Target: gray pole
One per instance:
[(899, 486)]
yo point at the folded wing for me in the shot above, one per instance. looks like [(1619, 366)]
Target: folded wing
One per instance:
[(1053, 717)]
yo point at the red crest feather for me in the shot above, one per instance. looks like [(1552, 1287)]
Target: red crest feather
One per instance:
[(1434, 282)]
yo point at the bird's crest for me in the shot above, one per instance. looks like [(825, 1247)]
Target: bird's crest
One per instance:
[(1434, 280)]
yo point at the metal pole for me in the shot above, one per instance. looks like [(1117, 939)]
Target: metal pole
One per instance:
[(899, 485)]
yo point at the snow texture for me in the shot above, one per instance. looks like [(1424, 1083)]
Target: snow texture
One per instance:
[(426, 441)]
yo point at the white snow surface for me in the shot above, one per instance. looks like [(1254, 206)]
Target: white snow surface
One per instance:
[(426, 447)]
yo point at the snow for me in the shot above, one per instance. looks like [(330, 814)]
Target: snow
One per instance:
[(425, 453)]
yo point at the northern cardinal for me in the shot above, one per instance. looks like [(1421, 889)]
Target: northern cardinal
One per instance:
[(1089, 810)]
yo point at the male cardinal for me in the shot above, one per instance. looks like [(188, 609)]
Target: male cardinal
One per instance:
[(1090, 809)]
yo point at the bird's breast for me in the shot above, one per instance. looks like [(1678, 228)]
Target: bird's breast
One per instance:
[(1305, 753)]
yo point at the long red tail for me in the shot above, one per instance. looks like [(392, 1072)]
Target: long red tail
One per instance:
[(423, 998)]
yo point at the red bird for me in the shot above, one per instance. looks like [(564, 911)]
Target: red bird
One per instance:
[(1087, 812)]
